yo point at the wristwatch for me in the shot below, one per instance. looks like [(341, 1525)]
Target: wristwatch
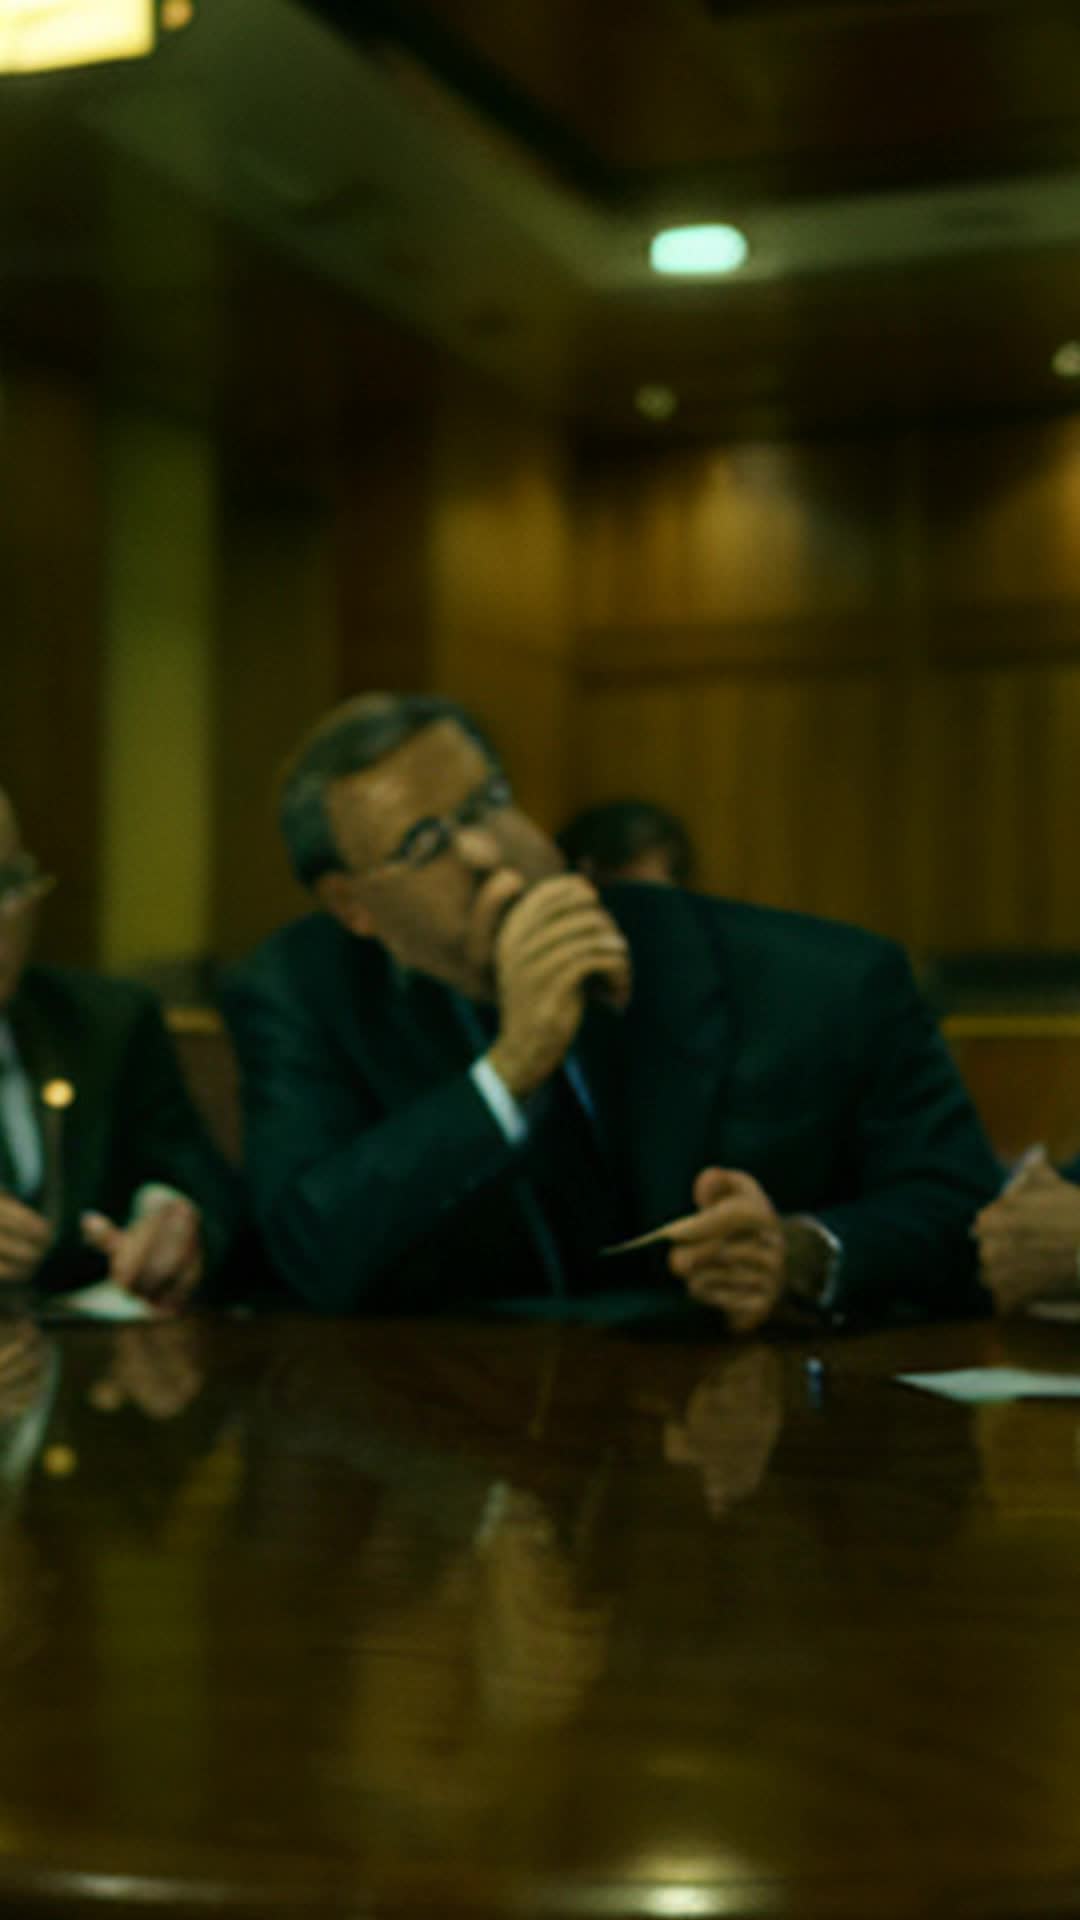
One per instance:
[(814, 1272)]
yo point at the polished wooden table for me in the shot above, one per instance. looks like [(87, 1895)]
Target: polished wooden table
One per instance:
[(322, 1618)]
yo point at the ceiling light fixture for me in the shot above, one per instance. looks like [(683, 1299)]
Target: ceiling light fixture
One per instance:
[(1066, 361), (698, 252), (41, 36)]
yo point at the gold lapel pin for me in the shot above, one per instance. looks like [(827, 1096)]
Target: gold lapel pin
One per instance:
[(57, 1094)]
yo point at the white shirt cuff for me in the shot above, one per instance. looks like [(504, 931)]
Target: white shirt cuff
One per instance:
[(500, 1101)]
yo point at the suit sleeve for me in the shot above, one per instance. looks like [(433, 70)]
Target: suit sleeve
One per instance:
[(923, 1166), (158, 1135), (343, 1191)]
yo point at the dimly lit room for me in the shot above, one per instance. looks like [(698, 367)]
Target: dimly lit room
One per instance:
[(540, 958)]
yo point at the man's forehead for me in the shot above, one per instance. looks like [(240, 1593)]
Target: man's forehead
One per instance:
[(430, 773)]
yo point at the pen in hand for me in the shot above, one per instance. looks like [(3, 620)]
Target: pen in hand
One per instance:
[(1030, 1161), (642, 1240)]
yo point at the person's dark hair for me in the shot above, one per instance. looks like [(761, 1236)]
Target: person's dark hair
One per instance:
[(608, 837), (351, 739)]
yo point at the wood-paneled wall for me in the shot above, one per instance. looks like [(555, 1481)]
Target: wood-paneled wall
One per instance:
[(854, 669), (501, 572), (52, 576), (277, 668)]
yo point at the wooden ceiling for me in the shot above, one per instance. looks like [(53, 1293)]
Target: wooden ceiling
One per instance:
[(748, 97), (599, 118)]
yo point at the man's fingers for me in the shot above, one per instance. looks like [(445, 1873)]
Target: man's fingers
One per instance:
[(569, 971), (126, 1254), (22, 1249), (592, 947), (725, 1220), (17, 1244), (715, 1290), (759, 1254), (22, 1223), (169, 1243), (551, 935), (490, 907), (101, 1232), (550, 900), (722, 1183), (157, 1253)]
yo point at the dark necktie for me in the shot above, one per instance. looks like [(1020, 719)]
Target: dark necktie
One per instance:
[(567, 1194), (571, 1178)]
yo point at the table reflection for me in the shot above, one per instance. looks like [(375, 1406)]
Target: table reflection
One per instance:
[(729, 1426), (156, 1369), (456, 1606)]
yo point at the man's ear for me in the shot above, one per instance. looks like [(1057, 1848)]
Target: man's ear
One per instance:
[(337, 893)]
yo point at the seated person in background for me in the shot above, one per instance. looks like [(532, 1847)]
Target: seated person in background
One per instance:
[(467, 1073), (1029, 1236), (104, 1165), (629, 840)]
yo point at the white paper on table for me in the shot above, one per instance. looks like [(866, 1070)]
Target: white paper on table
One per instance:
[(1066, 1312), (105, 1302), (977, 1386)]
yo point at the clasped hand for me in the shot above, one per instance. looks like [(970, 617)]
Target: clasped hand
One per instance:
[(731, 1253), (552, 941), (159, 1255)]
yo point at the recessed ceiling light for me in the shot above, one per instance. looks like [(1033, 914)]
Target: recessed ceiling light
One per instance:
[(73, 33), (1066, 361), (698, 250), (656, 402)]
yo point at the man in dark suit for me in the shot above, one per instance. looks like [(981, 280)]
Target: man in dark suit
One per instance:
[(104, 1165), (468, 1073)]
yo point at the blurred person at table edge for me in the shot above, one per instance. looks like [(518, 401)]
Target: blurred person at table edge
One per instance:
[(1029, 1235), (105, 1169), (468, 1072)]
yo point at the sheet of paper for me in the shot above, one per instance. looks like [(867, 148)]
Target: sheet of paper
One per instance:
[(1065, 1312), (105, 1302), (977, 1386)]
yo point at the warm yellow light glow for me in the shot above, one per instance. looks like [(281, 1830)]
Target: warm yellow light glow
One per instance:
[(37, 36), (1066, 361), (58, 1094), (59, 1461), (698, 251)]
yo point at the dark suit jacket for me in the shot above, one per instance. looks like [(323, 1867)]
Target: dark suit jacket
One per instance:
[(131, 1121), (794, 1048)]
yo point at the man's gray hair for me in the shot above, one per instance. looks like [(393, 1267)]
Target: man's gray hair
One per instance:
[(351, 739)]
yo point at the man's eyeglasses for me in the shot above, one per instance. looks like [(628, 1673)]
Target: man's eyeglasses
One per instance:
[(429, 839), (22, 885)]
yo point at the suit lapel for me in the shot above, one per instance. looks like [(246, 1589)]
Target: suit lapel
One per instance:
[(660, 1069), (401, 1027), (46, 1066)]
